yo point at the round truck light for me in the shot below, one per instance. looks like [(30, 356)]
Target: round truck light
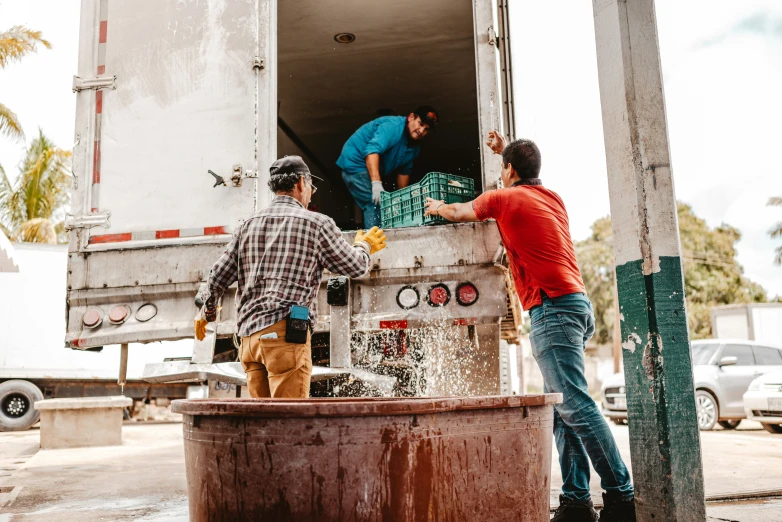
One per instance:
[(92, 317), (466, 294), (438, 295), (146, 312), (408, 298), (119, 314)]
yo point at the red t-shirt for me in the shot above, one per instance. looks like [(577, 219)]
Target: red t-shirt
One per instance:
[(533, 224)]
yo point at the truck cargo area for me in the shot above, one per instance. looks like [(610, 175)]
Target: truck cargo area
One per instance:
[(405, 54)]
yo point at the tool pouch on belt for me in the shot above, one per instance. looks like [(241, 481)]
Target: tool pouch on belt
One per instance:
[(297, 325)]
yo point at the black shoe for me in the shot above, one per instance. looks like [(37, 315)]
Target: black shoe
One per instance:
[(570, 511), (615, 510)]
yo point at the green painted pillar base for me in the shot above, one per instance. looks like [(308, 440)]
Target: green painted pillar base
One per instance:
[(664, 437)]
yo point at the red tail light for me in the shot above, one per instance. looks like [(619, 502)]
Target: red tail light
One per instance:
[(92, 318), (466, 294), (438, 295), (119, 314)]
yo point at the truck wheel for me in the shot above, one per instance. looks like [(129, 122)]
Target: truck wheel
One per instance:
[(16, 405), (772, 428)]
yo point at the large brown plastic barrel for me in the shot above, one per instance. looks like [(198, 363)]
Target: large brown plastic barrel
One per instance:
[(429, 459)]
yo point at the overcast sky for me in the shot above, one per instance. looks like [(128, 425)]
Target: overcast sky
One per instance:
[(722, 67)]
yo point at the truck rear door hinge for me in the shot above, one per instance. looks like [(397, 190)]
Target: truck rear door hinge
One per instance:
[(100, 82), (97, 219)]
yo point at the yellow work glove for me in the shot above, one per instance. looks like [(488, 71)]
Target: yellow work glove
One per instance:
[(374, 238), (200, 328), (200, 322)]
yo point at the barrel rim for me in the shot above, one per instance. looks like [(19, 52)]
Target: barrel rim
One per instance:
[(356, 406)]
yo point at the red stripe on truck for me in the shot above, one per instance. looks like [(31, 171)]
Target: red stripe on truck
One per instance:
[(98, 102), (111, 238), (101, 69), (104, 29), (214, 231), (393, 325), (166, 234), (96, 163)]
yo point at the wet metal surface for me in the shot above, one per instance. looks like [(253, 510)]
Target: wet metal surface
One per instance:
[(438, 459)]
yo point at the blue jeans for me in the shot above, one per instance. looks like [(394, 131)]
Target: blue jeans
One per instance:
[(559, 332), (360, 187)]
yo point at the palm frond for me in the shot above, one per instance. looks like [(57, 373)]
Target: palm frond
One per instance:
[(38, 230), (9, 124), (776, 230), (19, 41), (774, 202), (38, 197), (778, 259)]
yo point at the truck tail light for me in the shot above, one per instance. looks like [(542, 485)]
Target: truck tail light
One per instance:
[(438, 295), (466, 294), (119, 314), (408, 298), (92, 318)]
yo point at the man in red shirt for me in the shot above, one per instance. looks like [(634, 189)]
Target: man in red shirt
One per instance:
[(534, 227)]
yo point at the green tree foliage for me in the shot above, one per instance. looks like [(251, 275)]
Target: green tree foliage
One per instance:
[(712, 276), (32, 209), (776, 231), (16, 43)]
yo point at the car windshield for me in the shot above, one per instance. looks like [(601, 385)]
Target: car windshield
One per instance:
[(702, 353)]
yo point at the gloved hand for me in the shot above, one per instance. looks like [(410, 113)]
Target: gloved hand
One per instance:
[(205, 315), (374, 238), (377, 188), (199, 325)]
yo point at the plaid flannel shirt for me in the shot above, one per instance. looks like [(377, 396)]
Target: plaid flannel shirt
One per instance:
[(278, 257)]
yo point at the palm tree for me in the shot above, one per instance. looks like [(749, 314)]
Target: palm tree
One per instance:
[(16, 43), (32, 208), (776, 231)]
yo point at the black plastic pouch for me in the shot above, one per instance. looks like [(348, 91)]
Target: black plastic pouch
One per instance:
[(298, 325)]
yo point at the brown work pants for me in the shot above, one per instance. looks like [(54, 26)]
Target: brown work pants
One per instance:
[(276, 368)]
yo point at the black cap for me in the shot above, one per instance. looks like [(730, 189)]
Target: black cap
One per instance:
[(289, 165), (428, 115)]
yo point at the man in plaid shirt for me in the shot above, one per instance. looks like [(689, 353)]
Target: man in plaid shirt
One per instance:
[(278, 256)]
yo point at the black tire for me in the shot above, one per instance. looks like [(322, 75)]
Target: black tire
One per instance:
[(707, 409), (729, 424), (16, 405), (619, 422), (772, 428)]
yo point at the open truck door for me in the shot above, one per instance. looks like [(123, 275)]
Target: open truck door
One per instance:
[(495, 84), (166, 93)]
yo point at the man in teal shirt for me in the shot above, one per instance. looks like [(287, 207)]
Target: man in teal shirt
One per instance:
[(380, 148)]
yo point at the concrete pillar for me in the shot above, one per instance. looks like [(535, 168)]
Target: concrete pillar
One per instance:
[(664, 438)]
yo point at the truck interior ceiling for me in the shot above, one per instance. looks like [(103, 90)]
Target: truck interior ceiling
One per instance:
[(395, 56)]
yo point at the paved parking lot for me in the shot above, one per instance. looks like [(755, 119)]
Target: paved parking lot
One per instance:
[(144, 479)]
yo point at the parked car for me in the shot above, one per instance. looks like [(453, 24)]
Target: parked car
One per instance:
[(763, 401), (723, 370)]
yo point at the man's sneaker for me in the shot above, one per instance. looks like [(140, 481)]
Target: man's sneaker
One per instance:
[(570, 511), (615, 510)]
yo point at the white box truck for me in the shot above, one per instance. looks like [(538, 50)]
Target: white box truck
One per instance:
[(33, 364), (754, 321), (168, 90)]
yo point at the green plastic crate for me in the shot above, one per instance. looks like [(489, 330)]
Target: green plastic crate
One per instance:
[(405, 207)]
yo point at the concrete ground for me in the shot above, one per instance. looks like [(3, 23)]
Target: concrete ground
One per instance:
[(144, 479)]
